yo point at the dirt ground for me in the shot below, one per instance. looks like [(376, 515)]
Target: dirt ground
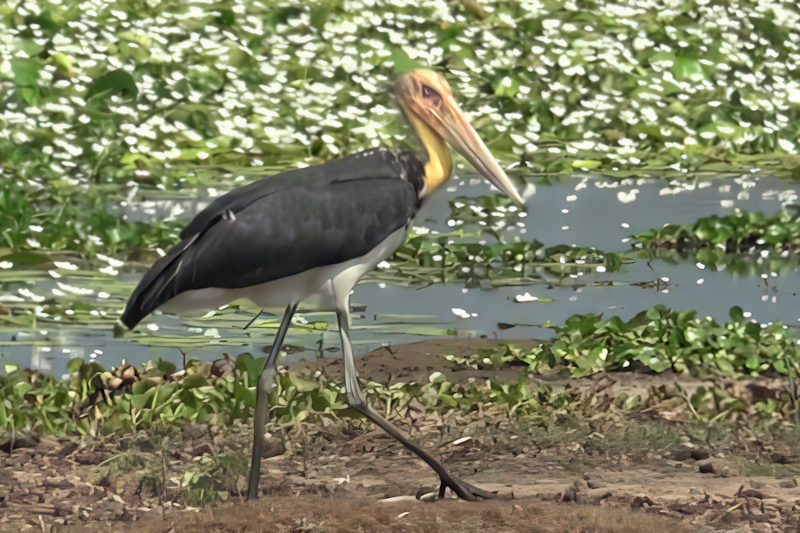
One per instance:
[(649, 470)]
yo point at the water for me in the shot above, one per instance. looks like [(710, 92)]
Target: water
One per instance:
[(586, 211)]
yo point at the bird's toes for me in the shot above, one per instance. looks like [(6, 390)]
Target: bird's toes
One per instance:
[(463, 490), (480, 493)]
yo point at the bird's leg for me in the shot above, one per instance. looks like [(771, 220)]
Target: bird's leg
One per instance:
[(355, 399), (265, 382), (252, 320)]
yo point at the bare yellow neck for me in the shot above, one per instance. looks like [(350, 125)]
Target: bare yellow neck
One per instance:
[(440, 162)]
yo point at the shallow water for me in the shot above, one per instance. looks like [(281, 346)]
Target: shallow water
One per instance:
[(586, 211)]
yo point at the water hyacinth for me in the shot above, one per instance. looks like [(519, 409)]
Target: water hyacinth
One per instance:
[(100, 89)]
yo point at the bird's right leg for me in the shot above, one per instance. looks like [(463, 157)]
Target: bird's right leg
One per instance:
[(265, 382), (355, 398)]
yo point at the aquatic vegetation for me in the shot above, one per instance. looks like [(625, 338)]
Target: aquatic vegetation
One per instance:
[(662, 339), (507, 354), (485, 250), (739, 232), (96, 401), (743, 242), (657, 339), (127, 398), (765, 263), (109, 105), (70, 219), (442, 258), (589, 86)]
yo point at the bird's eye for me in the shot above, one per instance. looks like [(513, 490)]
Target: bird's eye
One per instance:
[(429, 92)]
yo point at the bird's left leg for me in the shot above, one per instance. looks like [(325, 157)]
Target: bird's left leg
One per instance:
[(264, 386), (355, 399)]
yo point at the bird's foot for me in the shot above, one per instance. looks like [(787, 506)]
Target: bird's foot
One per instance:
[(464, 490)]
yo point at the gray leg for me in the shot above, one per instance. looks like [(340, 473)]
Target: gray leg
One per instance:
[(265, 381), (356, 400)]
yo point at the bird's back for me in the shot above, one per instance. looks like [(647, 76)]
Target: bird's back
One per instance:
[(286, 224)]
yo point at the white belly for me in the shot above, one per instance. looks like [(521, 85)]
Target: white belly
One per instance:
[(324, 288)]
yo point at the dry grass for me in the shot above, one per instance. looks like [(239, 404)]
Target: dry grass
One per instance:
[(348, 514)]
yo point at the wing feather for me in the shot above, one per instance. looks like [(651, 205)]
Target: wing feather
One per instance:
[(273, 232)]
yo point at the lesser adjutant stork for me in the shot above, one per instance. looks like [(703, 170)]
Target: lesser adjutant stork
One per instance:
[(307, 236)]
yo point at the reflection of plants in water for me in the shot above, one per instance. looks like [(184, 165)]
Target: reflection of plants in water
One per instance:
[(465, 255), (764, 262), (426, 259), (740, 232), (743, 242), (489, 213)]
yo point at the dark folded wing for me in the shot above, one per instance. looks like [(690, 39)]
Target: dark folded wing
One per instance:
[(289, 230), (370, 164)]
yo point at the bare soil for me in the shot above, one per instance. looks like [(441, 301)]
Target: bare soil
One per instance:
[(650, 470)]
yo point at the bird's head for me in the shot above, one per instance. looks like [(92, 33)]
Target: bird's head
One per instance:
[(428, 104)]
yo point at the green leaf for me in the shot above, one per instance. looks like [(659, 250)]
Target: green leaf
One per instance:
[(244, 395), (250, 367), (724, 364), (26, 71), (26, 258), (193, 381), (22, 388), (687, 67), (165, 367), (724, 129), (63, 63), (662, 59), (140, 401), (142, 386), (74, 365), (113, 82), (303, 385), (402, 62), (227, 17), (775, 34), (586, 164), (319, 14), (507, 86)]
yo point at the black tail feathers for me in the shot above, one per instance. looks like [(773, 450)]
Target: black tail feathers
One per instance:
[(157, 286)]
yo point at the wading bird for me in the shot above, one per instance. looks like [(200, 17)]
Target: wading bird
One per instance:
[(308, 235)]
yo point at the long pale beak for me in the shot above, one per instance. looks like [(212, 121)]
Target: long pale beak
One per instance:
[(459, 133)]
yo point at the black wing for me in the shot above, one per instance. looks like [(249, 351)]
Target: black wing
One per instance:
[(368, 164), (272, 229)]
